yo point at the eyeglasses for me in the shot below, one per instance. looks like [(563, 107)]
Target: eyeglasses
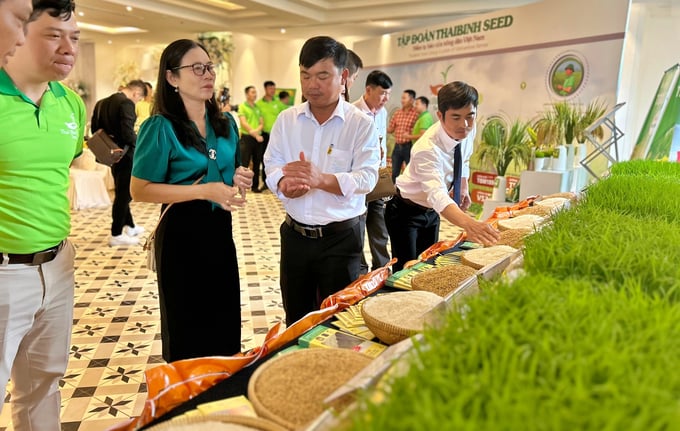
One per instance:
[(199, 68)]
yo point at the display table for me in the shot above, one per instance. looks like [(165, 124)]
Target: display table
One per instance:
[(547, 182), (90, 183), (489, 206)]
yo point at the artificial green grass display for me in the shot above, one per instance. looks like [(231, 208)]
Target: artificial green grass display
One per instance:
[(542, 354)]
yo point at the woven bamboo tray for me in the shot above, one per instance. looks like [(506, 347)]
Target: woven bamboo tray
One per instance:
[(395, 316), (290, 389)]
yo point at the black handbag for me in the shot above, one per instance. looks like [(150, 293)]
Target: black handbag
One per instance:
[(105, 150)]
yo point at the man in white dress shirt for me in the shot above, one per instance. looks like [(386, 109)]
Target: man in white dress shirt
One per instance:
[(372, 103), (434, 183), (321, 161)]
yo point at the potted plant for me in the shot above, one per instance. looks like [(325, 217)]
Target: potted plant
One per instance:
[(501, 145), (593, 111)]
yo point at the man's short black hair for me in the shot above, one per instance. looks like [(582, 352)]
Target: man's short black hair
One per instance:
[(569, 67), (284, 95), (269, 84), (320, 48), (55, 8), (456, 95), (411, 93), (424, 101), (378, 78), (247, 89)]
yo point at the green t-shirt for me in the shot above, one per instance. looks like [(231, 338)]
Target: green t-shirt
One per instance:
[(161, 158), (252, 114), (423, 123), (37, 145), (270, 110)]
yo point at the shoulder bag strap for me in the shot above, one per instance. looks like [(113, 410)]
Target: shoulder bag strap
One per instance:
[(152, 235)]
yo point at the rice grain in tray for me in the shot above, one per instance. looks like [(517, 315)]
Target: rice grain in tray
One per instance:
[(217, 422), (395, 316), (290, 389), (480, 257), (526, 221), (442, 280), (514, 237)]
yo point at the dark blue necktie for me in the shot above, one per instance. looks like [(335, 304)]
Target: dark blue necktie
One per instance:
[(457, 172)]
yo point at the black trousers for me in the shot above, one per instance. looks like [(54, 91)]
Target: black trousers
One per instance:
[(412, 230), (120, 211), (312, 269), (264, 144), (401, 154), (198, 282), (374, 221), (251, 150)]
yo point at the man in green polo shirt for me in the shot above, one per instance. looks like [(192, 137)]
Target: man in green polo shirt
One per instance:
[(270, 107), (252, 142), (42, 132), (424, 120)]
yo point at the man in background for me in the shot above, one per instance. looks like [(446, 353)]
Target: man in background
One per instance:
[(252, 142), (284, 97), (143, 107), (401, 126), (270, 107), (43, 124), (424, 120), (13, 17), (372, 103), (321, 162), (434, 183), (116, 115)]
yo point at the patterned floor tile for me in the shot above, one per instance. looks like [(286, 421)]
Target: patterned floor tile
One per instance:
[(116, 331)]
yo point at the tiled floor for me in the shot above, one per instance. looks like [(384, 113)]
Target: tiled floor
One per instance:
[(116, 333)]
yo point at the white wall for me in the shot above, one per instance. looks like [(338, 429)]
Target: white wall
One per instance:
[(651, 47)]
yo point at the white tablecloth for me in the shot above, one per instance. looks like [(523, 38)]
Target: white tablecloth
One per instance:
[(90, 183)]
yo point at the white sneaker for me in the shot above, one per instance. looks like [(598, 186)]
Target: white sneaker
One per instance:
[(123, 239), (134, 231)]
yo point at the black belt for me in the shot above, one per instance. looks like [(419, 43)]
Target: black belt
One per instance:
[(411, 203), (37, 258), (320, 231)]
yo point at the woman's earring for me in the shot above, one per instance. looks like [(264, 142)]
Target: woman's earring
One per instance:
[(176, 89)]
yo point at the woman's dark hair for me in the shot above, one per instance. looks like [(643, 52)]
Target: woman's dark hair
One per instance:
[(456, 95), (55, 8), (169, 103)]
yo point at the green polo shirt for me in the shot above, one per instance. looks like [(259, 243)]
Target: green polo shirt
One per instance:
[(252, 114), (423, 123), (37, 145), (270, 110)]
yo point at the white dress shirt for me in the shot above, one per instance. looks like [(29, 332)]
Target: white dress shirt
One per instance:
[(380, 122), (346, 145), (429, 175)]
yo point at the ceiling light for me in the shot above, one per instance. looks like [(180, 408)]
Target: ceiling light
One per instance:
[(128, 8), (283, 30), (81, 13), (110, 30)]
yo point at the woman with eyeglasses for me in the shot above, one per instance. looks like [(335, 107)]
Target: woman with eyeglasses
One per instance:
[(187, 156)]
